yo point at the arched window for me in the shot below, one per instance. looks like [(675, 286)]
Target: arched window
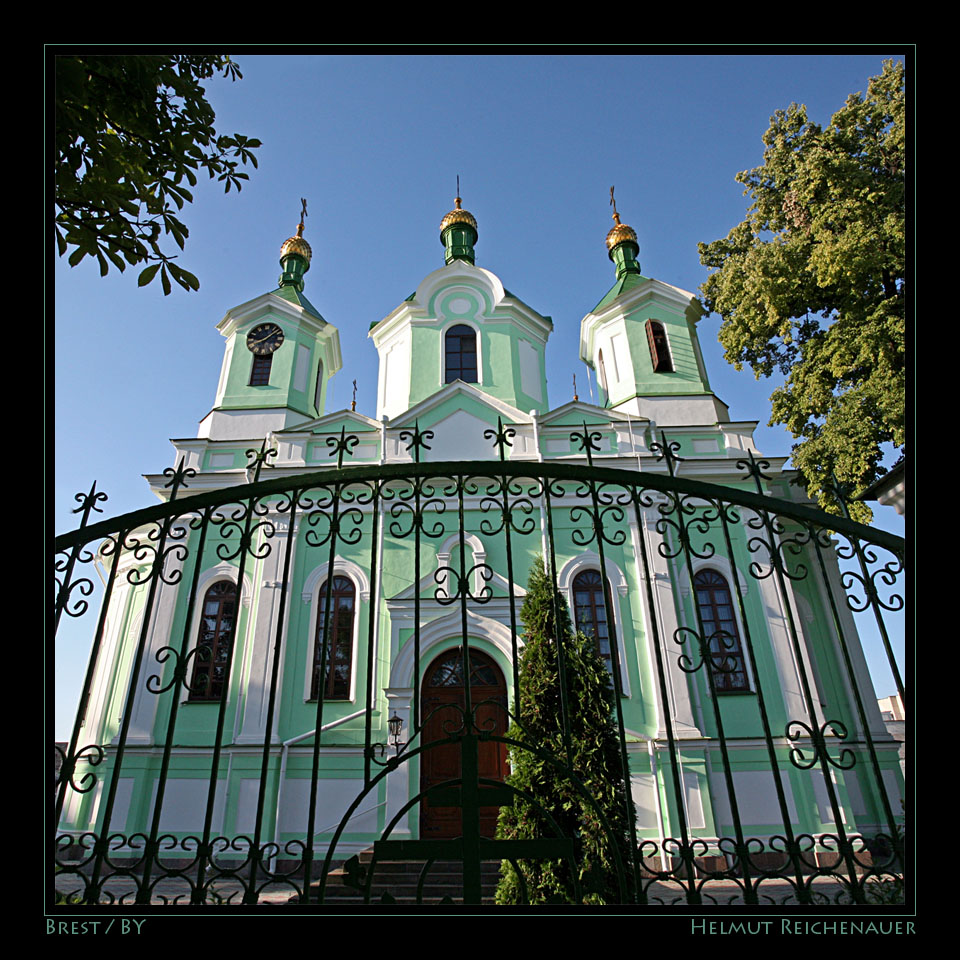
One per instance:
[(720, 629), (589, 611), (213, 642), (659, 350), (460, 354), (339, 658)]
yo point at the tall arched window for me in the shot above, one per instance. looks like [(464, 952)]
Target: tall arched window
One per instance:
[(720, 629), (339, 658), (213, 642), (460, 354), (589, 611)]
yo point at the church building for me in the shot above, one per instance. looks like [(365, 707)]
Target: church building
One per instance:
[(323, 574)]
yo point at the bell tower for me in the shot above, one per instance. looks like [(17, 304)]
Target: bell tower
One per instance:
[(641, 342), (279, 356), (461, 325)]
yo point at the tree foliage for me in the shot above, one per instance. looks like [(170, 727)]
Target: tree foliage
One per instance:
[(132, 132), (594, 758), (811, 284)]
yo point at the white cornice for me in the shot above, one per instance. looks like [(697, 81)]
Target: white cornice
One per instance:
[(629, 300), (266, 303), (606, 413), (316, 426), (503, 308), (509, 413)]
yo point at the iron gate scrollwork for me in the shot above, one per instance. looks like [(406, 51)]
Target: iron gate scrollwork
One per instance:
[(698, 748)]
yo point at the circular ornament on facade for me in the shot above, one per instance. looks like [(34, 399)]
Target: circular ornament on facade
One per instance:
[(264, 338), (459, 306)]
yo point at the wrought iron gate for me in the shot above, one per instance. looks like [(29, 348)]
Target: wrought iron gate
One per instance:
[(683, 739)]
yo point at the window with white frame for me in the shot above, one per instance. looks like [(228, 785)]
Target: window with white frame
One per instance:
[(337, 664), (460, 354), (715, 604), (590, 611), (212, 652)]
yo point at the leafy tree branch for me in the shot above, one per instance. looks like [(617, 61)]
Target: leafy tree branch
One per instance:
[(131, 131), (812, 283)]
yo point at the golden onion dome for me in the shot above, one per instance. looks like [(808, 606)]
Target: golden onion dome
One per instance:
[(620, 233), (458, 215), (296, 245)]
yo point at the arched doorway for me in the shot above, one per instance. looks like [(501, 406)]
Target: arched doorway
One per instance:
[(442, 692)]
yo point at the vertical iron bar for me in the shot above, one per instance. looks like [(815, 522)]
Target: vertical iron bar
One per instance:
[(617, 679), (878, 616), (250, 894), (321, 694), (205, 855), (143, 895), (816, 734), (80, 717), (464, 590), (88, 503), (102, 845), (418, 529), (750, 893), (803, 893), (838, 493), (372, 626), (561, 653), (507, 522), (686, 858), (861, 712)]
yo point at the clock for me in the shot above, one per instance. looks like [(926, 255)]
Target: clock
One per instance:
[(264, 339)]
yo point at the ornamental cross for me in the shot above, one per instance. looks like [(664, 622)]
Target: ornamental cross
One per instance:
[(667, 451), (501, 437), (303, 211), (587, 441), (417, 439), (256, 459), (754, 468)]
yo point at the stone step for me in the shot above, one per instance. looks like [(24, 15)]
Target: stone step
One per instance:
[(400, 880)]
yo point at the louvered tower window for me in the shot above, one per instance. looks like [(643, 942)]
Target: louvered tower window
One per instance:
[(659, 349)]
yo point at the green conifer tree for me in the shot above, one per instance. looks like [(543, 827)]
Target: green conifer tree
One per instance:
[(594, 758)]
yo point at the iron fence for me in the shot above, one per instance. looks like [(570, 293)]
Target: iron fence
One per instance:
[(754, 762)]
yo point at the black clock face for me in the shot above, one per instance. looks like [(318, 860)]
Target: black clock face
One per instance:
[(264, 339)]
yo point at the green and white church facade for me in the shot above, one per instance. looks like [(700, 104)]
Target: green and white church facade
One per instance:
[(459, 360)]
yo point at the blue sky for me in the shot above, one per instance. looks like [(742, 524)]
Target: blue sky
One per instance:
[(375, 144)]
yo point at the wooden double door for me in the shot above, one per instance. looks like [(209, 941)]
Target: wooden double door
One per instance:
[(442, 703)]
